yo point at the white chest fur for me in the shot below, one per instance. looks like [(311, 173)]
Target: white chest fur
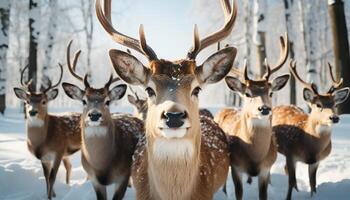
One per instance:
[(173, 148), (95, 131), (35, 122)]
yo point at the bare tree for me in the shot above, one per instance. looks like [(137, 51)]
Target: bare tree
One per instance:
[(260, 7), (34, 31), (4, 41), (88, 25)]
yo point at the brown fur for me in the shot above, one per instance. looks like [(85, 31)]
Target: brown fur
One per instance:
[(211, 160)]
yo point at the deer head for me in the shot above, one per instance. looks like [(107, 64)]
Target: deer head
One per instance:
[(95, 101), (36, 102), (322, 105), (172, 86), (257, 94)]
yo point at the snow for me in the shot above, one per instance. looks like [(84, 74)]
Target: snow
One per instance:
[(21, 175)]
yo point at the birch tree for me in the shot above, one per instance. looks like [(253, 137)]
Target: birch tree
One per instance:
[(34, 32), (259, 33), (4, 44)]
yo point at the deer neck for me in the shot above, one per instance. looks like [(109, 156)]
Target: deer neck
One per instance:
[(173, 164), (256, 134), (320, 132), (37, 130), (98, 144)]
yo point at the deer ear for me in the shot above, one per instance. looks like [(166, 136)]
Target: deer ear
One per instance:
[(20, 93), (235, 84), (308, 95), (129, 68), (341, 95), (73, 91), (217, 66), (131, 99), (117, 92), (279, 82), (52, 94)]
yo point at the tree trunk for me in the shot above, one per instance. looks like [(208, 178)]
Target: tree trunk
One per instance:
[(340, 46), (259, 34), (288, 4), (52, 28), (4, 41), (34, 24)]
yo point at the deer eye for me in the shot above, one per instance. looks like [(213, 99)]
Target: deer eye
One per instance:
[(150, 92), (247, 94), (44, 102), (270, 94), (196, 91), (108, 102), (319, 105), (84, 102)]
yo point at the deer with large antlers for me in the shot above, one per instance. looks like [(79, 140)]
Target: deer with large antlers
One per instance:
[(51, 138), (182, 156), (307, 137), (249, 130), (108, 141)]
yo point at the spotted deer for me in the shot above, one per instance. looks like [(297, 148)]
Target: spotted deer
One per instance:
[(249, 130), (108, 141), (141, 107), (307, 137), (182, 156), (51, 138)]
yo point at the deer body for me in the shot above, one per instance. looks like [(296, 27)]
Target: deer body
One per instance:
[(307, 137), (249, 131), (51, 138), (108, 141)]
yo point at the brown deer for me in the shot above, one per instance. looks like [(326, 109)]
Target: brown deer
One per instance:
[(249, 130), (139, 104), (307, 137), (108, 141), (182, 156), (51, 138)]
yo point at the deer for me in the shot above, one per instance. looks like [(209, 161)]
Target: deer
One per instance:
[(306, 137), (141, 107), (108, 141), (181, 155), (51, 138), (249, 130)]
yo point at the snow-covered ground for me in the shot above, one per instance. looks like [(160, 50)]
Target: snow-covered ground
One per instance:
[(21, 175)]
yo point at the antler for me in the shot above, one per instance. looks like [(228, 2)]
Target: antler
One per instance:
[(230, 18), (105, 20), (284, 44), (72, 67), (28, 83), (135, 93), (50, 86), (293, 70), (335, 84)]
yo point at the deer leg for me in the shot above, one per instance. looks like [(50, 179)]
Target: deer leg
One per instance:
[(68, 166), (120, 192), (46, 169), (264, 177), (100, 190), (53, 174), (312, 177), (291, 177), (236, 177), (224, 189)]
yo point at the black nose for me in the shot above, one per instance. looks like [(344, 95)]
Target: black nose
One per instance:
[(265, 110), (334, 118), (174, 119), (33, 113), (94, 116)]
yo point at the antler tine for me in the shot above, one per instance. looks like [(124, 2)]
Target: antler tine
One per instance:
[(22, 77), (61, 76), (105, 20), (71, 67), (268, 70), (284, 44), (221, 33), (246, 76), (335, 84), (135, 93), (293, 70)]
